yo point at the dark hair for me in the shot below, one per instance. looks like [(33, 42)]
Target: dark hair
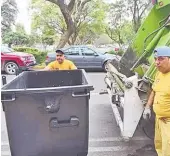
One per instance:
[(59, 51)]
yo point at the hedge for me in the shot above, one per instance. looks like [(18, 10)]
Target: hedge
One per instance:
[(39, 55), (120, 52)]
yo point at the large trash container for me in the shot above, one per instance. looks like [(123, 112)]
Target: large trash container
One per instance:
[(47, 113)]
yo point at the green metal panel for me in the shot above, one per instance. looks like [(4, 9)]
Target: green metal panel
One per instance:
[(150, 35), (163, 40), (145, 40), (162, 3), (150, 24)]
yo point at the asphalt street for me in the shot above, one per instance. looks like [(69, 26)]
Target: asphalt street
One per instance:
[(104, 134)]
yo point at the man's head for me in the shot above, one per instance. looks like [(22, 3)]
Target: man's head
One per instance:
[(60, 56), (162, 59)]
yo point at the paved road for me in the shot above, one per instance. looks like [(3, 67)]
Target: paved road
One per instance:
[(104, 136)]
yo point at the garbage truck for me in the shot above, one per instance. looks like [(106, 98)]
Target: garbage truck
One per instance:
[(129, 80)]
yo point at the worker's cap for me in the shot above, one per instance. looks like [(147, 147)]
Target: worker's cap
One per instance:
[(162, 51), (59, 51)]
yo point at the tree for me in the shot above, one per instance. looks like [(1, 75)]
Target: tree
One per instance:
[(137, 9), (87, 21), (125, 19), (15, 38), (47, 21), (47, 38), (47, 16), (91, 24), (122, 34), (8, 14), (118, 27), (68, 11), (20, 28)]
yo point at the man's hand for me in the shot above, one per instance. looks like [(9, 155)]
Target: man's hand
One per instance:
[(147, 113), (147, 110)]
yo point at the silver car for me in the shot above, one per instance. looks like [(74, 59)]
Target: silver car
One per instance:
[(84, 57)]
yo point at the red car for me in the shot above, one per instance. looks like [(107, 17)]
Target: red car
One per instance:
[(11, 60)]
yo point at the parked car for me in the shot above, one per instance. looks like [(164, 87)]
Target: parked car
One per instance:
[(84, 57), (11, 60)]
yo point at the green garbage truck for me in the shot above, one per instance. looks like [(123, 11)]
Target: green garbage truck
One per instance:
[(129, 80)]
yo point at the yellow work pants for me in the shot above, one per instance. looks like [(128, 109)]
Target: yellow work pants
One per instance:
[(162, 137)]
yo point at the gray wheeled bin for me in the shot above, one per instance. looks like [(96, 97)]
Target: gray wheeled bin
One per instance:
[(47, 113)]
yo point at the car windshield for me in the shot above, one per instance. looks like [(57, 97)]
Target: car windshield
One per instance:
[(6, 49), (98, 51)]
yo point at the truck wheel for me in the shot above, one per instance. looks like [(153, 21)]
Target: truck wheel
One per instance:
[(11, 68)]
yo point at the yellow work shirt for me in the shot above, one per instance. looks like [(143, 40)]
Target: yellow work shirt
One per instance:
[(66, 65), (161, 87)]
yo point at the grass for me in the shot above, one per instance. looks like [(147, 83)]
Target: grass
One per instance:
[(39, 66)]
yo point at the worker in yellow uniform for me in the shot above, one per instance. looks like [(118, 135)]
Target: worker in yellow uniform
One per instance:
[(160, 99), (60, 63)]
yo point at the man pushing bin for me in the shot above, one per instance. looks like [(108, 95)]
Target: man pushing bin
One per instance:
[(60, 63)]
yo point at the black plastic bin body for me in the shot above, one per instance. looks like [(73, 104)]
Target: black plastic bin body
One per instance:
[(47, 113)]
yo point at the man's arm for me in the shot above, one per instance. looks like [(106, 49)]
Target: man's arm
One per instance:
[(147, 109), (46, 68), (150, 100), (49, 67), (72, 66)]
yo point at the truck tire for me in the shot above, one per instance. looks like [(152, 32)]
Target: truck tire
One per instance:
[(11, 68)]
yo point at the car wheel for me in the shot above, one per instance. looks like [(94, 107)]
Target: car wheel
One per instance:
[(11, 68)]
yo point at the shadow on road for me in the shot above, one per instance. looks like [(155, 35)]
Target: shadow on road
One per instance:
[(147, 150)]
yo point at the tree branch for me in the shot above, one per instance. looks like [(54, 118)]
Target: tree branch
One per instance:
[(65, 12), (84, 2), (53, 1), (146, 6), (71, 5)]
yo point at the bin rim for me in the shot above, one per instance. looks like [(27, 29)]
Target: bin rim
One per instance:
[(87, 86), (49, 89)]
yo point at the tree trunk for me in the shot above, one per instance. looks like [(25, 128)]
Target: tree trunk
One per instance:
[(9, 45), (66, 11), (64, 38), (69, 42), (74, 37)]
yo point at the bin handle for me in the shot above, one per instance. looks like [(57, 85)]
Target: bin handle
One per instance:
[(9, 100), (72, 122), (80, 95)]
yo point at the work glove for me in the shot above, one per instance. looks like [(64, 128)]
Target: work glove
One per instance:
[(147, 113)]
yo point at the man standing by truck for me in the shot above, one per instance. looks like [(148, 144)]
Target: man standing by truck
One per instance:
[(60, 63), (160, 99)]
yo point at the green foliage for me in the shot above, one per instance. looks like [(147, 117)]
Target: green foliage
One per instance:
[(15, 38), (39, 55), (20, 38), (94, 24), (47, 40), (48, 21), (20, 28), (97, 15), (125, 19), (122, 34), (8, 15), (26, 49)]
